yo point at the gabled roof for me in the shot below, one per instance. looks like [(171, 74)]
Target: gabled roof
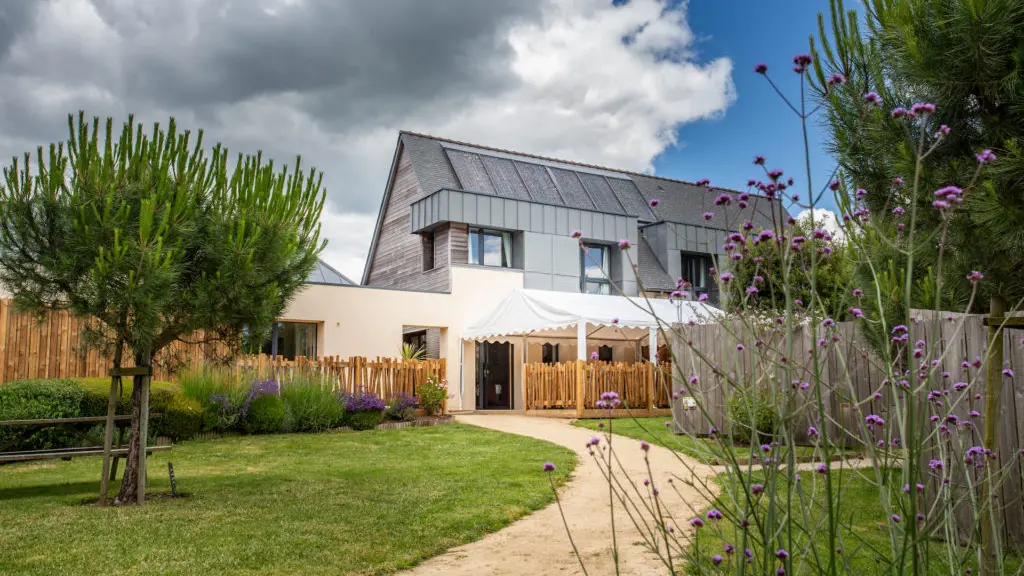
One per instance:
[(323, 273), (441, 163)]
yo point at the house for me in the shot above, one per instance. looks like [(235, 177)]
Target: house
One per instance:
[(463, 226)]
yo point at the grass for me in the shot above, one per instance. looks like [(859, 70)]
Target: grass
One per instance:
[(655, 431), (864, 542), (332, 503)]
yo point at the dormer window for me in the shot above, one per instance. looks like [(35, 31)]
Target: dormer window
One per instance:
[(490, 248), (594, 270), (695, 269)]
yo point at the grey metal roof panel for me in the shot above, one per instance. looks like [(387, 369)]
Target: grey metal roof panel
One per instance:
[(323, 273), (652, 275), (601, 193), (630, 198), (572, 190), (471, 172), (507, 182), (538, 181)]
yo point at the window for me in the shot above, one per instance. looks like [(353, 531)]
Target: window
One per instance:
[(292, 339), (549, 353), (490, 248), (604, 353), (594, 274), (427, 241), (695, 270)]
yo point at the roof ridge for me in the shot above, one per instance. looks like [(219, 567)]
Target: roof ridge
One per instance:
[(564, 161)]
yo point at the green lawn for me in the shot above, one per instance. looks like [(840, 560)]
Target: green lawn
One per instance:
[(332, 503), (656, 432)]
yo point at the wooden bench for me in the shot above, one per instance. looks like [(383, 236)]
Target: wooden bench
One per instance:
[(69, 453)]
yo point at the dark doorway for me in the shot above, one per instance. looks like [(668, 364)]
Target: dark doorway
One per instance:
[(494, 376)]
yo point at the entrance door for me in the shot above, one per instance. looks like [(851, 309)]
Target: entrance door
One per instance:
[(494, 376)]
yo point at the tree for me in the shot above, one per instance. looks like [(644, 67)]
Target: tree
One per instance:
[(762, 268), (967, 58), (156, 239)]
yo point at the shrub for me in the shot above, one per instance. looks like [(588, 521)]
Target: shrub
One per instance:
[(310, 406), (181, 419), (753, 409), (431, 394), (97, 392), (220, 414), (363, 411), (401, 408), (38, 399), (256, 389), (363, 420), (265, 414)]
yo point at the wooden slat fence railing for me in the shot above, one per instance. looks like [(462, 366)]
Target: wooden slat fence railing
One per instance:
[(51, 346), (385, 377), (851, 375), (640, 385)]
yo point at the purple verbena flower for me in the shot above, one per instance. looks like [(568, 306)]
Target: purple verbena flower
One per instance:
[(549, 467), (985, 156)]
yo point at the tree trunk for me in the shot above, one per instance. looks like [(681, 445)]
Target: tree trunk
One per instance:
[(108, 432), (991, 520), (130, 492)]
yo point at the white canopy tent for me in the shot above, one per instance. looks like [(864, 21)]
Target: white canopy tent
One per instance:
[(583, 316)]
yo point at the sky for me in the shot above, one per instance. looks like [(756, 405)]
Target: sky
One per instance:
[(660, 86)]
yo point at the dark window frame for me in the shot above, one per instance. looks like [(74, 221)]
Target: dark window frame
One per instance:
[(504, 238), (605, 353), (427, 242), (604, 282), (687, 260), (549, 353)]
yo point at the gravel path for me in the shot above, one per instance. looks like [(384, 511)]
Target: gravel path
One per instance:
[(537, 544)]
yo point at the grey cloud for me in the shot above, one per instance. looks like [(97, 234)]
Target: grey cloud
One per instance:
[(286, 77)]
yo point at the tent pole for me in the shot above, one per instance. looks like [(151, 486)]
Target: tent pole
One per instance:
[(652, 354), (581, 355)]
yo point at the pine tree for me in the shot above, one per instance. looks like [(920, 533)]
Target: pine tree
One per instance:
[(156, 239), (967, 58)]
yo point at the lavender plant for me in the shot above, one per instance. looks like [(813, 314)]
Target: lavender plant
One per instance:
[(922, 495)]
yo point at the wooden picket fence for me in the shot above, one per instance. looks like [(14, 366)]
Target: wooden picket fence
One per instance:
[(639, 385), (385, 377), (51, 346), (851, 375)]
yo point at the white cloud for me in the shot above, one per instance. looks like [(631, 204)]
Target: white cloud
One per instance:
[(582, 93), (826, 220)]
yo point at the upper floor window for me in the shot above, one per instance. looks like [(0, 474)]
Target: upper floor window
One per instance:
[(695, 270), (427, 243), (594, 270), (490, 248)]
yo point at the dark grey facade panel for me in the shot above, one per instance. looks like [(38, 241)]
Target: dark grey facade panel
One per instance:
[(504, 177), (601, 193), (470, 171), (631, 199), (571, 189), (539, 183)]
